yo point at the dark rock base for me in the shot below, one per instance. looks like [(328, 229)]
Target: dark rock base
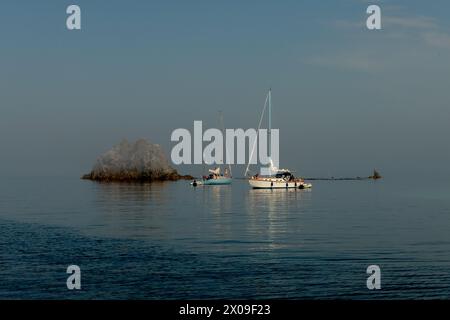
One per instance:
[(135, 177)]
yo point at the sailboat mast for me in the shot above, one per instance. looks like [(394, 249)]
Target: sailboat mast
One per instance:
[(223, 133), (259, 127), (270, 123)]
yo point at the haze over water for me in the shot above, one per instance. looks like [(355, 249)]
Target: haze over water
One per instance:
[(346, 99)]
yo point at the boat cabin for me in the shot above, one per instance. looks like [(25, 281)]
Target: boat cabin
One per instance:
[(285, 175)]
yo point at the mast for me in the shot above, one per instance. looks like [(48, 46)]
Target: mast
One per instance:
[(259, 127), (226, 149), (270, 124)]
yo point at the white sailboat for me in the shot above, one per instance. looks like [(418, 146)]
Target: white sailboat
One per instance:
[(279, 178)]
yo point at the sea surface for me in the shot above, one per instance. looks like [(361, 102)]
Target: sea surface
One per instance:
[(173, 241)]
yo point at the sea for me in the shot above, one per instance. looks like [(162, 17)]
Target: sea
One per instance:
[(173, 241)]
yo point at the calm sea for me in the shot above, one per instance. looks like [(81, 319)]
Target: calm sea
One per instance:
[(173, 241)]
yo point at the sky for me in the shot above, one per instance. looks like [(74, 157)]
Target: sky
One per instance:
[(346, 99)]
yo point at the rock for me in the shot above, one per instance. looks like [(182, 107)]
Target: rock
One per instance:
[(376, 175), (140, 161)]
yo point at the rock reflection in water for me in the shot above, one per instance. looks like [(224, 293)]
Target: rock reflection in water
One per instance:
[(129, 209)]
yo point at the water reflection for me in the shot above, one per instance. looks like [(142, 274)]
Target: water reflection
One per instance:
[(225, 217), (119, 196), (227, 241), (276, 212), (277, 200), (128, 209), (217, 199)]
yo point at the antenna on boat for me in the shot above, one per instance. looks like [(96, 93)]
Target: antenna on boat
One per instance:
[(226, 149)]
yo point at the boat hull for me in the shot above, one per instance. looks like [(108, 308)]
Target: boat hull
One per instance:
[(278, 184), (216, 182), (212, 182)]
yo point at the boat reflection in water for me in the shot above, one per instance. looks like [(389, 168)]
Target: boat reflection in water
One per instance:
[(275, 215)]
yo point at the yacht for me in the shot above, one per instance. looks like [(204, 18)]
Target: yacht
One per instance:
[(279, 178)]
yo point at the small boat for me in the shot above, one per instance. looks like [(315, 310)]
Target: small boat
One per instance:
[(214, 178), (278, 178)]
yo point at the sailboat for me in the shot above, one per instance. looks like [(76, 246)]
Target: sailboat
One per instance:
[(279, 178), (215, 177)]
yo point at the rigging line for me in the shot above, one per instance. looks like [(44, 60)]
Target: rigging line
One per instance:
[(254, 144)]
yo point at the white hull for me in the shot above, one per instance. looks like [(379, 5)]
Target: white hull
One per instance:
[(269, 183)]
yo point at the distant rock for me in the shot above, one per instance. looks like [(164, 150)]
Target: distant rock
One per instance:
[(376, 175), (141, 161)]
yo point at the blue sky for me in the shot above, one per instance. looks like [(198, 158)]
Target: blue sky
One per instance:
[(346, 99)]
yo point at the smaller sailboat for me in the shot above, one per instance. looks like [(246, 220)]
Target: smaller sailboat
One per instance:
[(214, 178), (278, 178)]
